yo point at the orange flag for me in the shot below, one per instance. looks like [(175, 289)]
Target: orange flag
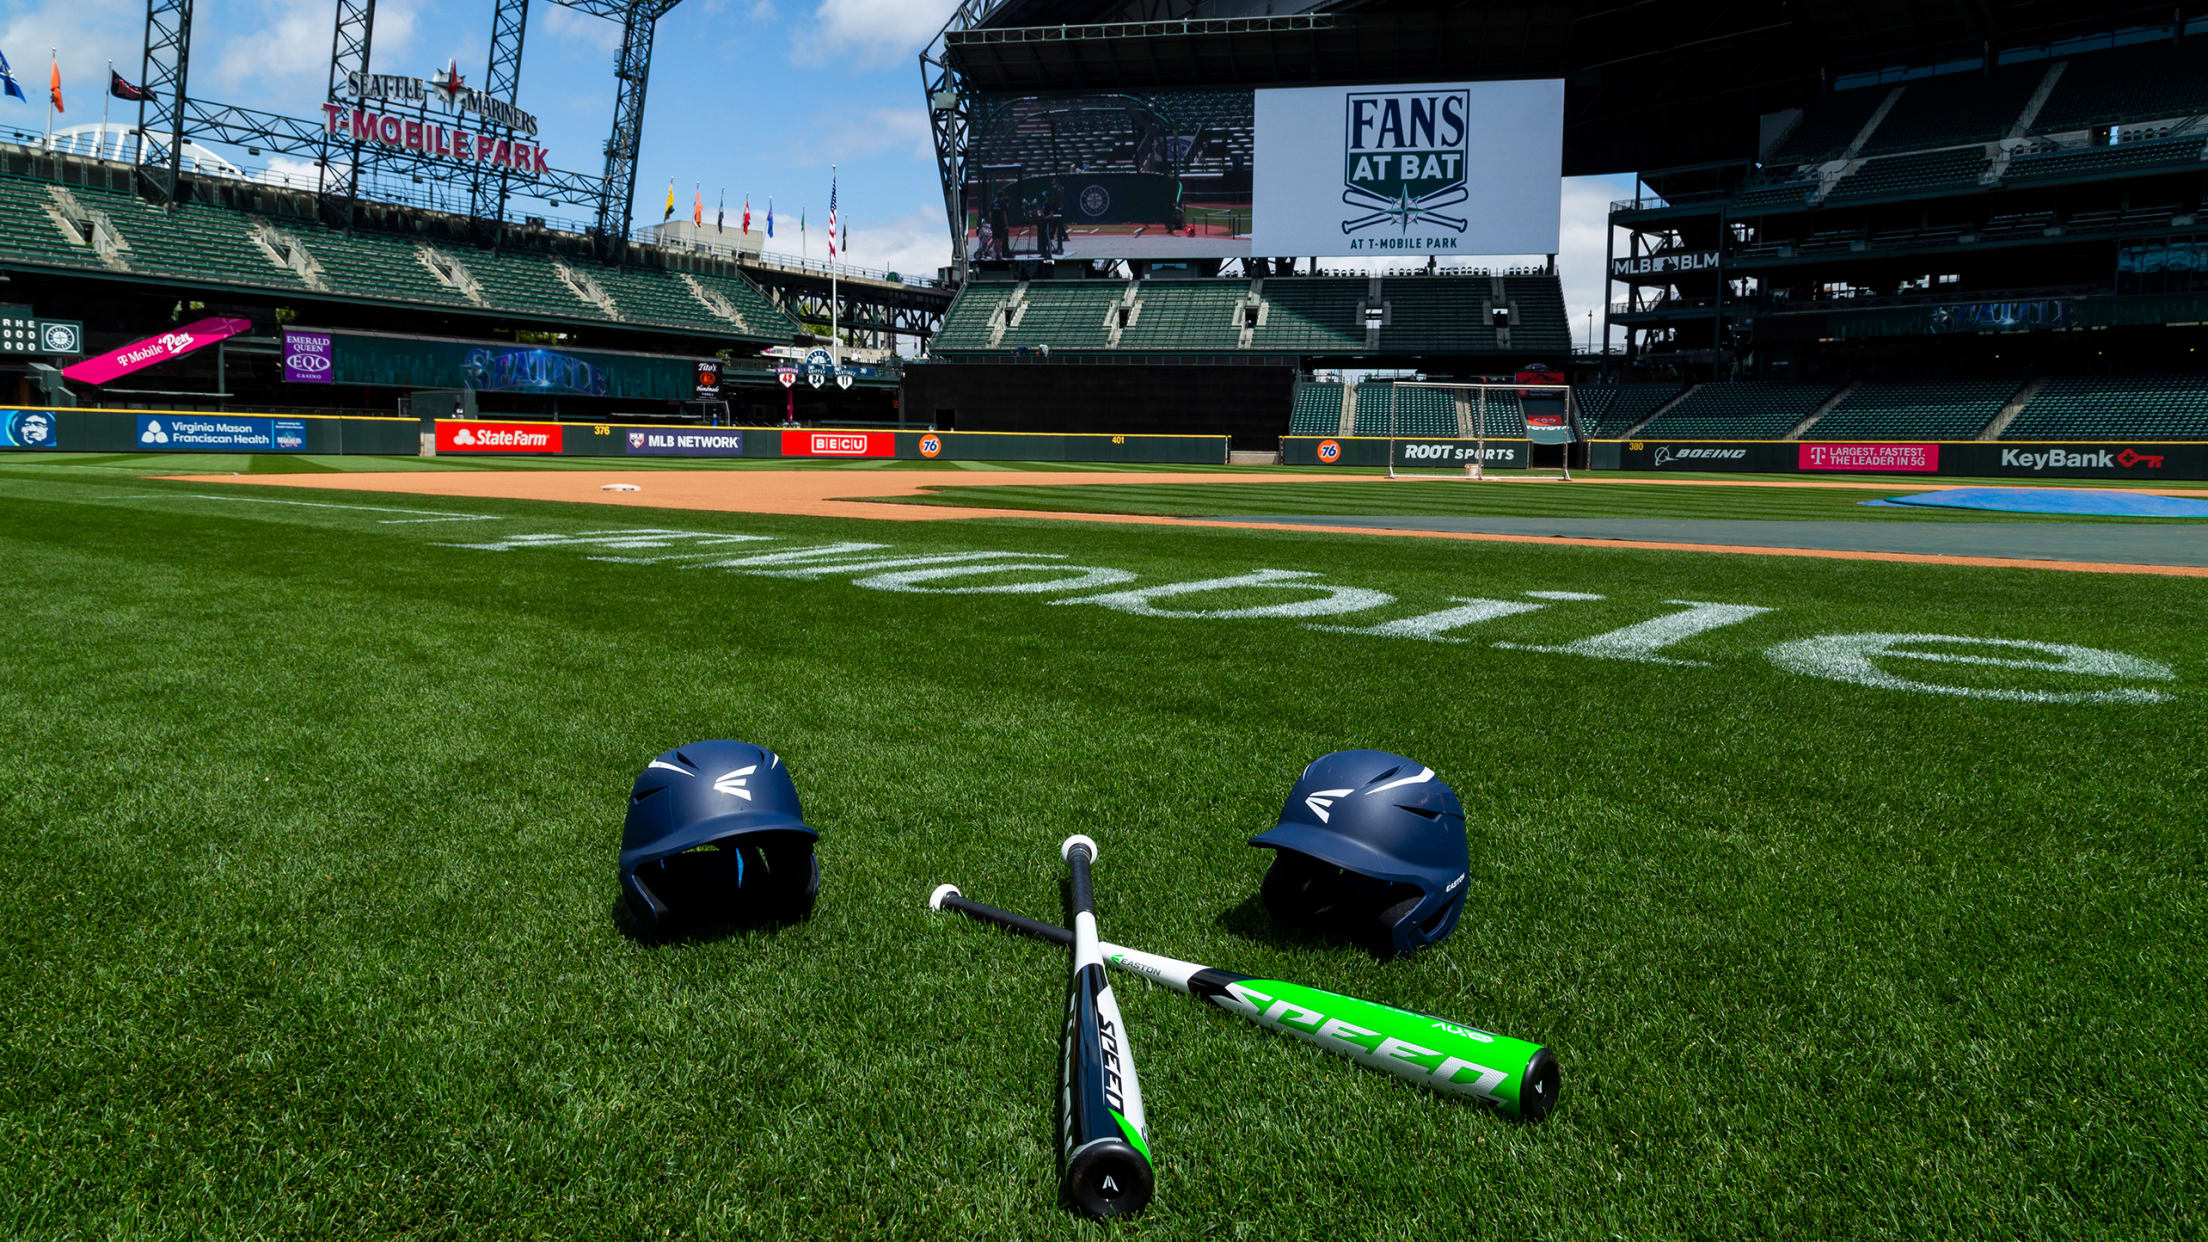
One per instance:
[(697, 209), (54, 85)]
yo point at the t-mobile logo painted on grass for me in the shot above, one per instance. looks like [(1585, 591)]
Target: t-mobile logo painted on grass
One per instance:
[(2064, 673)]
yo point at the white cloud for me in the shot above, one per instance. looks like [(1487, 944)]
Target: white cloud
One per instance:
[(869, 34), (1582, 260), (601, 33), (848, 137), (914, 244)]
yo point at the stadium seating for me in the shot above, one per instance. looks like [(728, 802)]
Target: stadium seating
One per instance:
[(1793, 193), (189, 240), (1418, 411), (27, 232), (1432, 314), (1185, 314), (371, 265), (1610, 410), (1067, 315), (524, 283), (1942, 171), (2115, 407), (1742, 410), (1541, 326), (763, 316), (1300, 315), (650, 295), (1827, 127), (206, 243), (2124, 157), (2149, 83), (1914, 409), (1312, 314), (1318, 410), (1955, 108), (966, 324)]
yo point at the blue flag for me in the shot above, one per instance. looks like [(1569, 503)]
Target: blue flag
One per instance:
[(7, 79), (770, 215)]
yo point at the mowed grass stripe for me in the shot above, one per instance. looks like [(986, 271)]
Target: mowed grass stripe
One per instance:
[(1437, 498)]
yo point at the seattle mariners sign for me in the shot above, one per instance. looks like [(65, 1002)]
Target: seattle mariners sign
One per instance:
[(1468, 168)]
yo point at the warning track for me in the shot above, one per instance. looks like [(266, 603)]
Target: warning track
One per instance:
[(861, 495)]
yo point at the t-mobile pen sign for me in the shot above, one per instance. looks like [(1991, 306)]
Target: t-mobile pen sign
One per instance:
[(308, 357), (139, 355)]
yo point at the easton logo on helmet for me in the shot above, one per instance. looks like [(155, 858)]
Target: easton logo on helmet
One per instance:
[(733, 782), (1320, 800)]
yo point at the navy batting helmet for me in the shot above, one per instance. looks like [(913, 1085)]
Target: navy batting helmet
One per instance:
[(714, 834), (1371, 844)]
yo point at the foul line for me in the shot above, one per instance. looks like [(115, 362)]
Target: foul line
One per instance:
[(441, 516)]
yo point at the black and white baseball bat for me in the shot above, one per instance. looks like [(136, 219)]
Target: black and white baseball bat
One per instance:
[(1519, 1079), (1104, 1147)]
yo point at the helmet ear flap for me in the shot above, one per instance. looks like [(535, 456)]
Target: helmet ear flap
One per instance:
[(1298, 887)]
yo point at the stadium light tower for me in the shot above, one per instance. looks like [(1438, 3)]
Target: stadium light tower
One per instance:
[(947, 118), (617, 196)]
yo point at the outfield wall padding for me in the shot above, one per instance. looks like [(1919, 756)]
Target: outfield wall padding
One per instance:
[(495, 437), (166, 431), (2018, 459), (1411, 453)]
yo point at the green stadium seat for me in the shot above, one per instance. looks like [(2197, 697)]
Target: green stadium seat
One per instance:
[(1741, 410), (1914, 410), (1610, 410), (2144, 407)]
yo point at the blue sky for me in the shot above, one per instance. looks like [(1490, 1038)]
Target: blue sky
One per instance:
[(754, 96)]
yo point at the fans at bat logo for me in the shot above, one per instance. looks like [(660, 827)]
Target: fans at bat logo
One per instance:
[(1406, 154)]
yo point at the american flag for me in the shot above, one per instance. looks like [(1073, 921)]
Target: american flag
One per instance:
[(831, 217)]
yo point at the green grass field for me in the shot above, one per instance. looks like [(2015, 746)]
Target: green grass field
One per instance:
[(309, 886), (1421, 498)]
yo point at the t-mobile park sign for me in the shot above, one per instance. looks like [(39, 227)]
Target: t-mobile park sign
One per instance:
[(418, 133)]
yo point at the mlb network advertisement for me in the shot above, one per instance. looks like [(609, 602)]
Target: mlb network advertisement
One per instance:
[(1467, 168)]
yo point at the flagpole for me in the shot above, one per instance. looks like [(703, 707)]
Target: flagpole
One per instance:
[(54, 60), (835, 301), (100, 139)]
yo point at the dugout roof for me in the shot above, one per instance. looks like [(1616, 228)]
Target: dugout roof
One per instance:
[(1651, 83)]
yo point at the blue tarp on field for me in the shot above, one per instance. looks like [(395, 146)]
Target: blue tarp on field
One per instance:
[(2066, 500)]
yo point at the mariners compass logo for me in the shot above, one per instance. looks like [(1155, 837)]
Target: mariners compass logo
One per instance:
[(1406, 155)]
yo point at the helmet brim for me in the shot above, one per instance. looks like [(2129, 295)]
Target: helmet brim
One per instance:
[(1343, 852), (731, 827)]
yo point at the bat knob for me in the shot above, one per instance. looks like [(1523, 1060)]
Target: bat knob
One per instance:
[(935, 899), (1065, 850)]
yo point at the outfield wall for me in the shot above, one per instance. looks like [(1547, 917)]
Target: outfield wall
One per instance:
[(463, 437), (160, 431), (2021, 459), (153, 431), (2067, 459), (1411, 453)]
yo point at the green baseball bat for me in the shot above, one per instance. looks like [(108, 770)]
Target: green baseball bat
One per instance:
[(1517, 1078)]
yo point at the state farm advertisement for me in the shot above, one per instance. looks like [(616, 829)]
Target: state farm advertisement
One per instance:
[(468, 437), (1894, 458), (839, 444)]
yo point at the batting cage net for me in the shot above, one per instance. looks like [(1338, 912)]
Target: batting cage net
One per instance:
[(1466, 431)]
